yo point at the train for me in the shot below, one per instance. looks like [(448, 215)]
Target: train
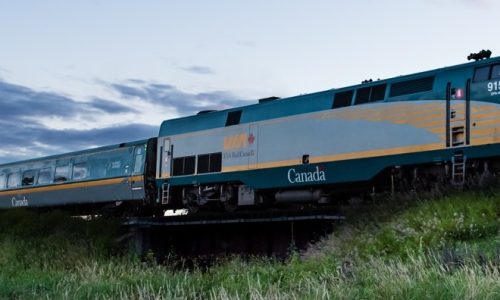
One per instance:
[(407, 132)]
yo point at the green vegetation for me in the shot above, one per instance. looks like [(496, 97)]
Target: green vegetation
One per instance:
[(446, 248)]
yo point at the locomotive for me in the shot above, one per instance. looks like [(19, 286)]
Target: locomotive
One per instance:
[(439, 126)]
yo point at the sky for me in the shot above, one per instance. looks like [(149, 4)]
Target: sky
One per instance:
[(80, 74)]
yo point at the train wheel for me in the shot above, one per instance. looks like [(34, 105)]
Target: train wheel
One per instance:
[(193, 208), (230, 206), (191, 203)]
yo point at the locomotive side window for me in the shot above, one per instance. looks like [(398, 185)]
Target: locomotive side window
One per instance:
[(215, 162), (189, 165), (363, 95), (80, 171), (2, 181), (495, 72), (45, 176), (184, 165), (342, 99), (203, 163), (371, 94), (378, 92), (178, 166), (413, 86), (29, 178), (62, 173), (482, 74), (14, 180), (233, 118), (210, 163)]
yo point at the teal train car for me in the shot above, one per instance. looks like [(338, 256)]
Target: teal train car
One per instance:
[(438, 126), (94, 178)]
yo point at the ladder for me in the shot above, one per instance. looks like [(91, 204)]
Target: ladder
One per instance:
[(165, 193), (458, 168)]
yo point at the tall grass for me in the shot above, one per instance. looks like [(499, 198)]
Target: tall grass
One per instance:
[(419, 277), (446, 248)]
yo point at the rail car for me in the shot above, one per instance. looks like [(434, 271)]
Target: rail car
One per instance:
[(438, 126), (92, 178), (441, 125)]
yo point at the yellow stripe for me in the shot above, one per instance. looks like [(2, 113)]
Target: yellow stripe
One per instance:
[(419, 119), (395, 111), (487, 115), (72, 185), (339, 157), (485, 140), (358, 155)]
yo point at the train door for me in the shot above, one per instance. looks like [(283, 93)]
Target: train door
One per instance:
[(458, 128), (137, 177), (457, 115), (164, 169), (165, 159)]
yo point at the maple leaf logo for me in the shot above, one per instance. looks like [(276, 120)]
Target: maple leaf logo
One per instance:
[(251, 139)]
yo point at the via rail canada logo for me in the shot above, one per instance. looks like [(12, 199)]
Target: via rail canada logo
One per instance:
[(317, 175), (19, 202)]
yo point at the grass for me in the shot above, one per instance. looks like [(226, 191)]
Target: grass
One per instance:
[(445, 248)]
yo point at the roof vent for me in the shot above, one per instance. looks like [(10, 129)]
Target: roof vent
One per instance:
[(268, 99)]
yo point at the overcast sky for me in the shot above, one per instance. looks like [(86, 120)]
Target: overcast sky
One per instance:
[(79, 74)]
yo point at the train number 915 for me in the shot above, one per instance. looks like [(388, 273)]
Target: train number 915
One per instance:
[(493, 86)]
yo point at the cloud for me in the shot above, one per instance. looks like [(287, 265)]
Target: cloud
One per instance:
[(482, 4), (110, 106), (171, 97), (244, 43), (23, 135), (25, 142), (199, 70), (2, 70), (18, 103)]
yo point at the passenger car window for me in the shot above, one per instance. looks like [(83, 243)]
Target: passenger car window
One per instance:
[(14, 180), (29, 178), (62, 173), (2, 181), (495, 73), (482, 74), (119, 162), (80, 171), (98, 167), (45, 176)]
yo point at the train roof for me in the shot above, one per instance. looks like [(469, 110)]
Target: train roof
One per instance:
[(280, 107), (76, 153)]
